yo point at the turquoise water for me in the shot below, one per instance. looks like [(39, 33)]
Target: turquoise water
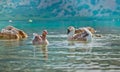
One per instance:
[(100, 55)]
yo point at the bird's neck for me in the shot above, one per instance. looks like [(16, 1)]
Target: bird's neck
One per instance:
[(43, 36), (70, 35)]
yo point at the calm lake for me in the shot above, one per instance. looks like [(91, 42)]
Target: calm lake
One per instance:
[(100, 55)]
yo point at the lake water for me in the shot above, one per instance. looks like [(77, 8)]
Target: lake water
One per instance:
[(100, 55)]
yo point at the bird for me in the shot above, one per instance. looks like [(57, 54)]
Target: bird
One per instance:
[(20, 33), (86, 35), (40, 39), (11, 32)]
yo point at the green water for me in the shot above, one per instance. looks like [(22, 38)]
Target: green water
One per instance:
[(100, 55)]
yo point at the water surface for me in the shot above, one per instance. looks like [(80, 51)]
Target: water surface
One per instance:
[(100, 55)]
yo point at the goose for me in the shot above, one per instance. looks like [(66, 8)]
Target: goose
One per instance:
[(11, 32), (40, 39), (20, 33), (84, 36)]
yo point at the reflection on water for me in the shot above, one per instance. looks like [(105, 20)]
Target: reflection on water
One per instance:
[(100, 55), (7, 43), (41, 48)]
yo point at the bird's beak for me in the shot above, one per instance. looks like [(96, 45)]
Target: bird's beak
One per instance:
[(46, 32), (68, 31)]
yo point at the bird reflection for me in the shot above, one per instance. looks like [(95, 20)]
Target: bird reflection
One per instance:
[(45, 51), (10, 44), (83, 46), (70, 43), (41, 48), (79, 51)]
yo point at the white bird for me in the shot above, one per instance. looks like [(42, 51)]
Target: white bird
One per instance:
[(85, 36)]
